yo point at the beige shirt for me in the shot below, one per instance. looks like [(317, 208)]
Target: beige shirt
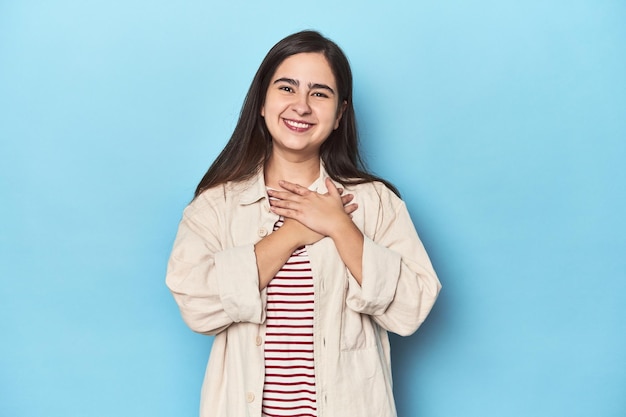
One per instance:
[(212, 274)]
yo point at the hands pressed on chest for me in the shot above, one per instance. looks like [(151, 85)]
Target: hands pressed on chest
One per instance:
[(323, 214), (309, 216)]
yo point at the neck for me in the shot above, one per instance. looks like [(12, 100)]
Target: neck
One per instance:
[(301, 172)]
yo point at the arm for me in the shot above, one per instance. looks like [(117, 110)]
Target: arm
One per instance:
[(390, 276), (273, 251), (398, 286), (214, 286), (323, 215)]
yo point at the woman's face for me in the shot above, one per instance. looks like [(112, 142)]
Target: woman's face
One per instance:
[(301, 106)]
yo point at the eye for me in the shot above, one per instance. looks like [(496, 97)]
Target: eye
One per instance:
[(286, 88), (320, 94)]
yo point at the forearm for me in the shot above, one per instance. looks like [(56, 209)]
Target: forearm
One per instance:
[(272, 252), (213, 286), (348, 240), (399, 285)]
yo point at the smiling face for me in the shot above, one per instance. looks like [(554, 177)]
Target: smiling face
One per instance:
[(301, 106)]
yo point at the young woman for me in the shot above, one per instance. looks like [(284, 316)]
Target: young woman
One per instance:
[(297, 259)]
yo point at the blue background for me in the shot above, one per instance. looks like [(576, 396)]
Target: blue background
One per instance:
[(503, 123)]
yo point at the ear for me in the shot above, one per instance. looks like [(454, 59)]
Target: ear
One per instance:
[(263, 110), (340, 112)]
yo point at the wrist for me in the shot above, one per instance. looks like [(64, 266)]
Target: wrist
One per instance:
[(297, 235), (345, 230), (289, 235)]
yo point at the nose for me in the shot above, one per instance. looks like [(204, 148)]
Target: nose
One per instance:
[(301, 104)]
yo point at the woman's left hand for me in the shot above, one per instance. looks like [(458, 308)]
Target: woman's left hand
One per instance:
[(322, 213)]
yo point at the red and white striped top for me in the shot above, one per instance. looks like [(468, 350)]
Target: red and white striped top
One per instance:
[(289, 368)]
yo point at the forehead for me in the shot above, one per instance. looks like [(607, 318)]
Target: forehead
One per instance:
[(310, 67)]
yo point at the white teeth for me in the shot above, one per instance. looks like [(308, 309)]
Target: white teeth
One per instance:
[(297, 124)]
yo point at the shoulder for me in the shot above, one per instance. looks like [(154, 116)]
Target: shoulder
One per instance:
[(210, 208), (378, 208), (375, 192), (210, 200), (224, 196)]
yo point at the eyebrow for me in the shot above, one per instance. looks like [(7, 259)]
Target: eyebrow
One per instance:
[(312, 86)]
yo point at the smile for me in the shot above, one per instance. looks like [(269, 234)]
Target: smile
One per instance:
[(297, 126)]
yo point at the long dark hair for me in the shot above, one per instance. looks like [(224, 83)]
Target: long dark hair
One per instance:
[(250, 145)]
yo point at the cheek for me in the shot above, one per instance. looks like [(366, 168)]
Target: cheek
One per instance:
[(330, 115), (271, 107)]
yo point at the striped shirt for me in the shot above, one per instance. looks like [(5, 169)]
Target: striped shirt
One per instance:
[(289, 388)]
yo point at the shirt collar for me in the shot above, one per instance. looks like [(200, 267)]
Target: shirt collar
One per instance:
[(254, 189)]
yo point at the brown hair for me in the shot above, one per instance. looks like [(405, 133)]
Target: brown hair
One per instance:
[(250, 145)]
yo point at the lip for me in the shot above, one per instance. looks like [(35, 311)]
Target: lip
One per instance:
[(297, 125)]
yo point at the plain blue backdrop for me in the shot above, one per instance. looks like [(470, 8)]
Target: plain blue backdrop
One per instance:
[(503, 123)]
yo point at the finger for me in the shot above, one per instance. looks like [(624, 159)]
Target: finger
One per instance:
[(286, 213), (350, 208), (330, 186), (273, 193), (276, 193), (345, 199), (281, 195), (294, 188), (284, 204)]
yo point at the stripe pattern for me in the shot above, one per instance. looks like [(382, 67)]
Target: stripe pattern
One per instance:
[(289, 388)]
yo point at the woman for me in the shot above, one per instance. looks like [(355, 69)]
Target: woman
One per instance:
[(294, 257)]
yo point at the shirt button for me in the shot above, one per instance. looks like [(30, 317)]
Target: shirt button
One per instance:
[(249, 397), (258, 341), (262, 231)]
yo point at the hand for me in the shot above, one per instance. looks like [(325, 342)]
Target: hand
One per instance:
[(321, 213)]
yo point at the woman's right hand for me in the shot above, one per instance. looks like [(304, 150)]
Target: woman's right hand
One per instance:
[(275, 249), (306, 236)]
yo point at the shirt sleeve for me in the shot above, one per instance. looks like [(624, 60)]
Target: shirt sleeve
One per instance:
[(399, 285), (212, 285)]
